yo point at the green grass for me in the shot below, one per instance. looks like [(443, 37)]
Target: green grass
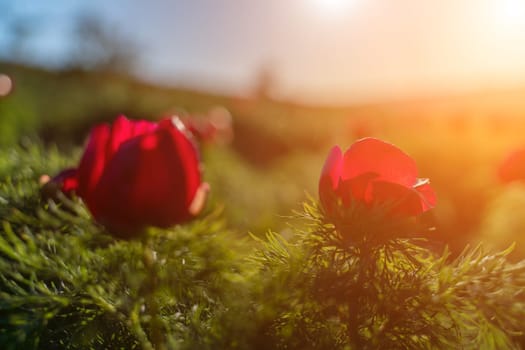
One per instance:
[(65, 283)]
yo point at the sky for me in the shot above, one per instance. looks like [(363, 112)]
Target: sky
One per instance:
[(322, 51)]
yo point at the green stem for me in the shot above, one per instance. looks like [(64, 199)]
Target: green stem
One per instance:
[(354, 305), (151, 264)]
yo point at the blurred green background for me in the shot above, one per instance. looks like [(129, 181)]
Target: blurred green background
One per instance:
[(278, 150), (273, 162)]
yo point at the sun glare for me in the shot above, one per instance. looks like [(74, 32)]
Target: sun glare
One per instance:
[(512, 13), (332, 7)]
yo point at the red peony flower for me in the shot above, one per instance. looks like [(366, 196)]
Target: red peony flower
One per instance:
[(374, 173), (513, 167), (135, 174)]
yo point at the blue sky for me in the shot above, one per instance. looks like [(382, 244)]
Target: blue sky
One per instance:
[(373, 49)]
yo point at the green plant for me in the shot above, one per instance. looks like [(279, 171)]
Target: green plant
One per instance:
[(67, 284)]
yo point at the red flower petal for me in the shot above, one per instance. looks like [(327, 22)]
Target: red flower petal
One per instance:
[(93, 161), (428, 196), (151, 180), (124, 129), (104, 142), (332, 168), (370, 155), (404, 201), (68, 179), (330, 176), (186, 152), (355, 188), (141, 127)]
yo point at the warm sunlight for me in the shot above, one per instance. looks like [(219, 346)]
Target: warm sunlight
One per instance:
[(512, 12), (332, 7)]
